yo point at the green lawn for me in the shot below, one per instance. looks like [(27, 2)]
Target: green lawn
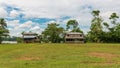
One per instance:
[(88, 55)]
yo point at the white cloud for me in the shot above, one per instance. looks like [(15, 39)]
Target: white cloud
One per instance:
[(76, 9), (14, 13), (59, 8), (3, 12), (16, 28), (46, 9), (35, 28), (27, 24), (13, 23)]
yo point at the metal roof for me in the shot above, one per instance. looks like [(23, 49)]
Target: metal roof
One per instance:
[(29, 36), (29, 33), (74, 33)]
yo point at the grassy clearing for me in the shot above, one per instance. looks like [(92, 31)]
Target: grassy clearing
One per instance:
[(88, 55)]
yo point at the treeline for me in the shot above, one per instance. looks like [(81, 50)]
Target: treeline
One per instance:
[(55, 34), (100, 31)]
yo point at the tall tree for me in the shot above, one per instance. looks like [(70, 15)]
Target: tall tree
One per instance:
[(73, 25), (113, 18), (3, 28), (96, 27), (114, 31), (53, 33)]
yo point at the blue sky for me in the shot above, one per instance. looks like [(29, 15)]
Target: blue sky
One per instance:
[(34, 15)]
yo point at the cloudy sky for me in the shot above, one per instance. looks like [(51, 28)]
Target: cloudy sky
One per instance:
[(34, 15)]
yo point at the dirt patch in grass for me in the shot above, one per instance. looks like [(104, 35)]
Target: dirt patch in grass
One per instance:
[(99, 63), (30, 58), (109, 57), (102, 55)]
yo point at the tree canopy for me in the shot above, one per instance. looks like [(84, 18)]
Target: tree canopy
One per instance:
[(73, 25), (3, 28), (53, 33), (96, 27), (110, 32), (113, 33)]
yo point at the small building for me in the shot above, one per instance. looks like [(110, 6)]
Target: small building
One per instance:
[(30, 37), (74, 37), (6, 39)]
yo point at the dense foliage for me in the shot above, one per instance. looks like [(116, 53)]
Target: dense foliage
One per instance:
[(53, 33), (73, 26), (111, 32), (100, 31), (3, 29), (96, 27)]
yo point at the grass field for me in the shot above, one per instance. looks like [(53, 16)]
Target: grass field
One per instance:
[(88, 55)]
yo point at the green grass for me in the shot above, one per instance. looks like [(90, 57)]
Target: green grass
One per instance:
[(90, 55)]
